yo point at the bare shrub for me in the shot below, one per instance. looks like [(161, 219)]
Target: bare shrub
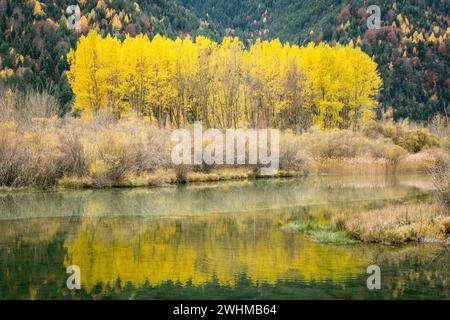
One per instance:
[(293, 154), (336, 143), (440, 126), (42, 150), (38, 105), (440, 173), (43, 166), (70, 137), (108, 156), (404, 134), (8, 102), (26, 106), (12, 156), (181, 172), (149, 146)]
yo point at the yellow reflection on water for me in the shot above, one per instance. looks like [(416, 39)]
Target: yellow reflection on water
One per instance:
[(201, 249)]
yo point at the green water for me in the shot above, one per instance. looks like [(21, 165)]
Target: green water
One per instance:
[(210, 241)]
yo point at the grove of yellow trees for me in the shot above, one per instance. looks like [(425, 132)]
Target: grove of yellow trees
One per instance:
[(176, 82)]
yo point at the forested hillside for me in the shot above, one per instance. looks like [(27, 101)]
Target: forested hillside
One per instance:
[(34, 37), (411, 49)]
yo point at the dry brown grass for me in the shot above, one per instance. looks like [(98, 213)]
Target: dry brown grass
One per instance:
[(105, 152), (356, 166), (396, 224), (26, 106), (418, 162)]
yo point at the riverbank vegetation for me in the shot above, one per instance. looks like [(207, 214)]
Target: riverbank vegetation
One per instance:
[(40, 149), (103, 151), (416, 222), (409, 45), (409, 220), (425, 222), (321, 233)]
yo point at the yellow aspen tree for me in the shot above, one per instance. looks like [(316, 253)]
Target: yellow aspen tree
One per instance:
[(93, 72), (136, 74), (365, 82), (203, 90), (226, 75), (186, 67), (163, 93)]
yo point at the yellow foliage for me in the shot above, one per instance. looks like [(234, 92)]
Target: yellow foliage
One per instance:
[(94, 76), (98, 168), (432, 38), (223, 84), (6, 73), (84, 23), (116, 23), (37, 10)]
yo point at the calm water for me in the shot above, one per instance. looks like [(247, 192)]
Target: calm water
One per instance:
[(207, 241)]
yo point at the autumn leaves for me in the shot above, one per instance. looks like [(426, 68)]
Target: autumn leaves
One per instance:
[(224, 85)]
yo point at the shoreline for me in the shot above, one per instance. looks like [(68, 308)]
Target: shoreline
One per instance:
[(408, 221), (168, 177), (159, 179)]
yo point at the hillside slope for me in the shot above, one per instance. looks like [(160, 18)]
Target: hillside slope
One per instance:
[(34, 37), (411, 48)]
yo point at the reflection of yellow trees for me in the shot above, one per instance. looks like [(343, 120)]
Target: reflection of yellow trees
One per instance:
[(29, 231), (202, 249)]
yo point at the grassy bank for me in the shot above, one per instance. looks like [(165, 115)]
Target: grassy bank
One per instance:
[(104, 152), (40, 149), (392, 224), (425, 220), (421, 222), (164, 177)]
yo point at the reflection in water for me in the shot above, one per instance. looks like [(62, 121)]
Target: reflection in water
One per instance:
[(209, 241), (198, 250), (227, 197)]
